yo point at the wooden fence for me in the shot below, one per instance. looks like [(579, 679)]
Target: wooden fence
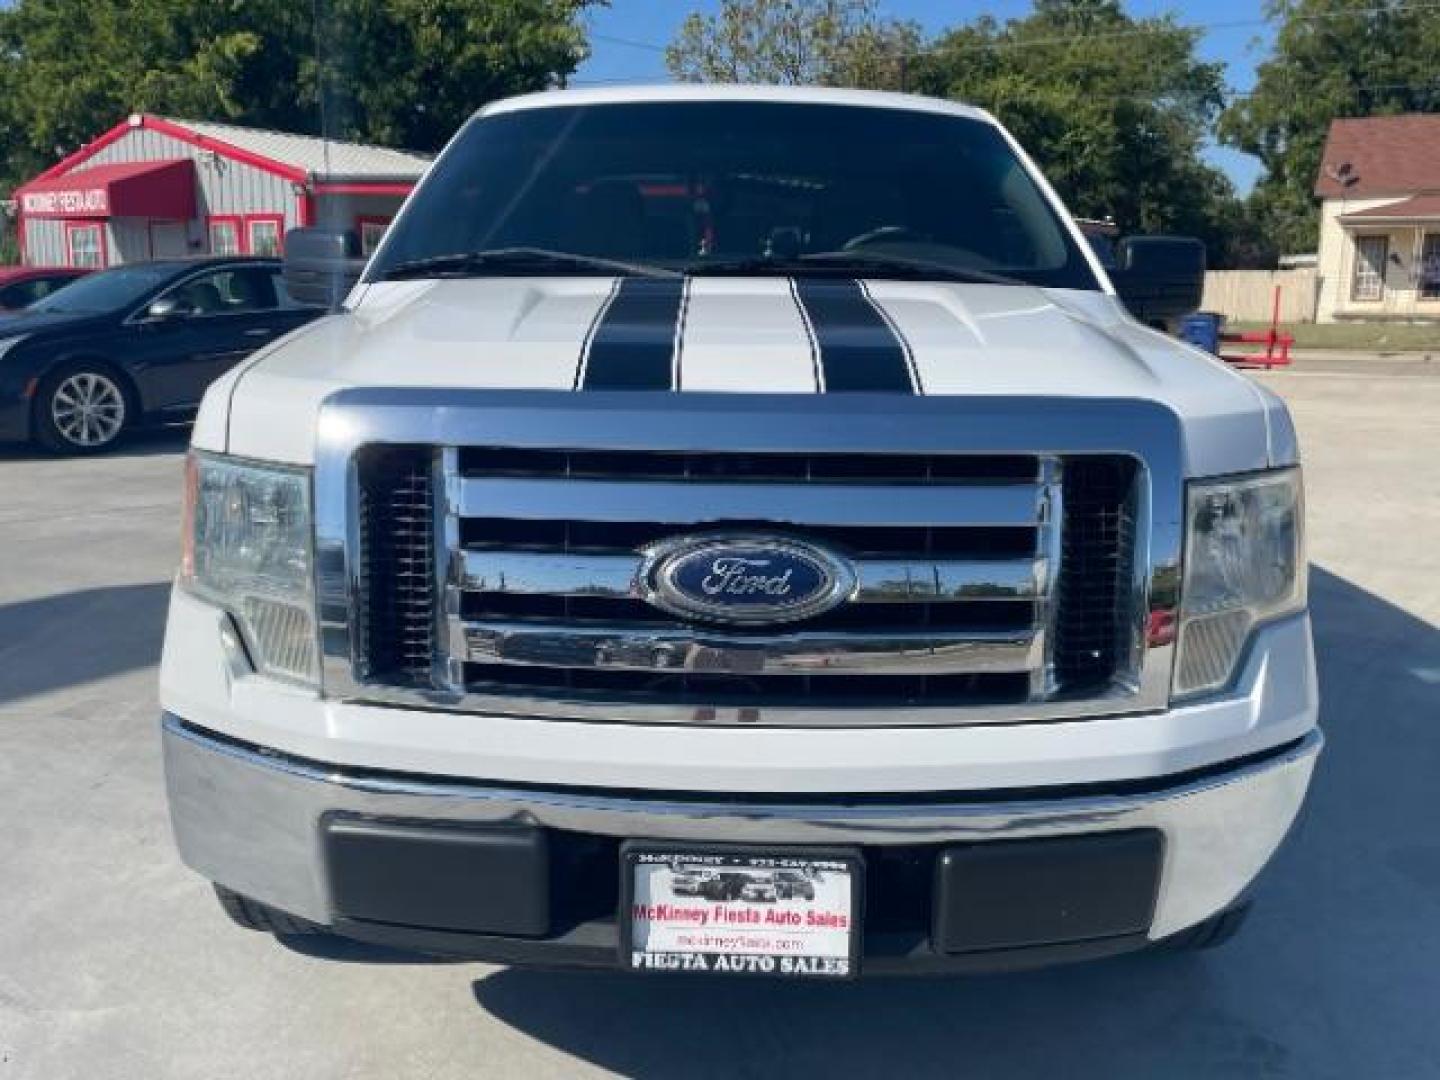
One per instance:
[(1249, 295)]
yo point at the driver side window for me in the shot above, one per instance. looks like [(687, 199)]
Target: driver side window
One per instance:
[(226, 292)]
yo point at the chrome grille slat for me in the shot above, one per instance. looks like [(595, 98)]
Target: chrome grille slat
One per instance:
[(507, 572), (692, 651), (698, 503)]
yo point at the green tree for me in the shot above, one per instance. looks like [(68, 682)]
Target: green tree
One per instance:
[(68, 68), (1332, 58), (1116, 110), (397, 72), (408, 72), (794, 42)]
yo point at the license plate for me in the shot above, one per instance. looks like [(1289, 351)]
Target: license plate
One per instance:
[(741, 911)]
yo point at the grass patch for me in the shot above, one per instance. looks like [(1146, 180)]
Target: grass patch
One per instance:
[(1361, 337)]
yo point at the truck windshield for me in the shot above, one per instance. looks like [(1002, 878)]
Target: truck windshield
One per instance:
[(733, 187)]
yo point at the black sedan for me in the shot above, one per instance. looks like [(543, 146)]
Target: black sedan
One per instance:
[(135, 344)]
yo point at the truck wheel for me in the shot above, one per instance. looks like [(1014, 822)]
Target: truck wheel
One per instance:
[(253, 915), (82, 408), (1210, 934)]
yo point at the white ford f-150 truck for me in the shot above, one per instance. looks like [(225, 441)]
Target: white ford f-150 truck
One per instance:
[(739, 530)]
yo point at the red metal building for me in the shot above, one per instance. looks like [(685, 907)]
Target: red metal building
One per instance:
[(152, 187)]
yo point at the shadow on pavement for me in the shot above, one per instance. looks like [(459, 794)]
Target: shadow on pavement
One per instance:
[(1327, 979), (63, 641), (346, 951)]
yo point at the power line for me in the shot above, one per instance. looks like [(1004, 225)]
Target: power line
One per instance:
[(629, 42), (1201, 28), (1229, 94)]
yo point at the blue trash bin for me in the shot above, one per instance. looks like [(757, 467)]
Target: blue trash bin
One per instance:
[(1202, 330)]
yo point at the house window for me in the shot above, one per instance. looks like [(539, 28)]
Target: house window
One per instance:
[(224, 236), (85, 244), (263, 234), (372, 231), (1430, 268), (1371, 254)]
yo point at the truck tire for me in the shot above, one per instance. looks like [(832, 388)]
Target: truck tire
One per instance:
[(83, 407), (253, 915), (1210, 934)]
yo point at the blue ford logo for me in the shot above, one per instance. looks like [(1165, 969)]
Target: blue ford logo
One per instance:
[(744, 579)]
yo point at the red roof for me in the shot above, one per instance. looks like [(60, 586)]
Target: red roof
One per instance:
[(1419, 206), (158, 189), (1387, 155)]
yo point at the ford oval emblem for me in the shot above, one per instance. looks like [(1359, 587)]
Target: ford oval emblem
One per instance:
[(744, 579)]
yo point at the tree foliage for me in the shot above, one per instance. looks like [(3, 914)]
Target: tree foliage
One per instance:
[(793, 42), (396, 72), (1332, 58), (408, 72), (1115, 109)]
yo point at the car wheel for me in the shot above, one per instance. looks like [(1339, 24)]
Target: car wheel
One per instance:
[(82, 409)]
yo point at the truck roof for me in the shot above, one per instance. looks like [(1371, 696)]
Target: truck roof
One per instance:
[(804, 95)]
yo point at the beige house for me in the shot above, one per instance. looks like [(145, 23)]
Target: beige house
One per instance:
[(1380, 219)]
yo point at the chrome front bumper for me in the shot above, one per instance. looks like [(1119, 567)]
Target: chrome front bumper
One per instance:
[(251, 820)]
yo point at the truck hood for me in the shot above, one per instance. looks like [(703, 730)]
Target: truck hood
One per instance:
[(896, 340)]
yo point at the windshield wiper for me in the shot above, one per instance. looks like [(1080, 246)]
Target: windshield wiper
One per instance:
[(516, 260), (860, 262)]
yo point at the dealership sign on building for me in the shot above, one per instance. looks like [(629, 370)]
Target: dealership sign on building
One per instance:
[(70, 202)]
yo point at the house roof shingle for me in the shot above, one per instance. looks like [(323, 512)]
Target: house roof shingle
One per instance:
[(1388, 155)]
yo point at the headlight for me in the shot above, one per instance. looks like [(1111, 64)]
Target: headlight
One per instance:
[(246, 548), (1244, 564)]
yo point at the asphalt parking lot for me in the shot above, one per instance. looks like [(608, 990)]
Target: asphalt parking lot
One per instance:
[(116, 962)]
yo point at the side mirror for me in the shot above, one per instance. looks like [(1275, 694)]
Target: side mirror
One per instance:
[(167, 307), (1159, 278), (321, 265)]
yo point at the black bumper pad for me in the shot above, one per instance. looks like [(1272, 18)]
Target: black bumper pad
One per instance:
[(475, 879), (1012, 894)]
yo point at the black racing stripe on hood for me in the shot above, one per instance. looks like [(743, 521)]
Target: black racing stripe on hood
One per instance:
[(634, 342), (860, 350)]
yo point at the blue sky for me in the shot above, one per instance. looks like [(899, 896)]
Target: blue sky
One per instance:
[(1240, 47)]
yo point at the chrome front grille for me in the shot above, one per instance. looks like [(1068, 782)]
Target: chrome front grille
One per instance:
[(560, 613), (1015, 559), (535, 557)]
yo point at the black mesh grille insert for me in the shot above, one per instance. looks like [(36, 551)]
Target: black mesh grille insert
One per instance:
[(1096, 569), (578, 610), (397, 566), (727, 690), (646, 465)]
